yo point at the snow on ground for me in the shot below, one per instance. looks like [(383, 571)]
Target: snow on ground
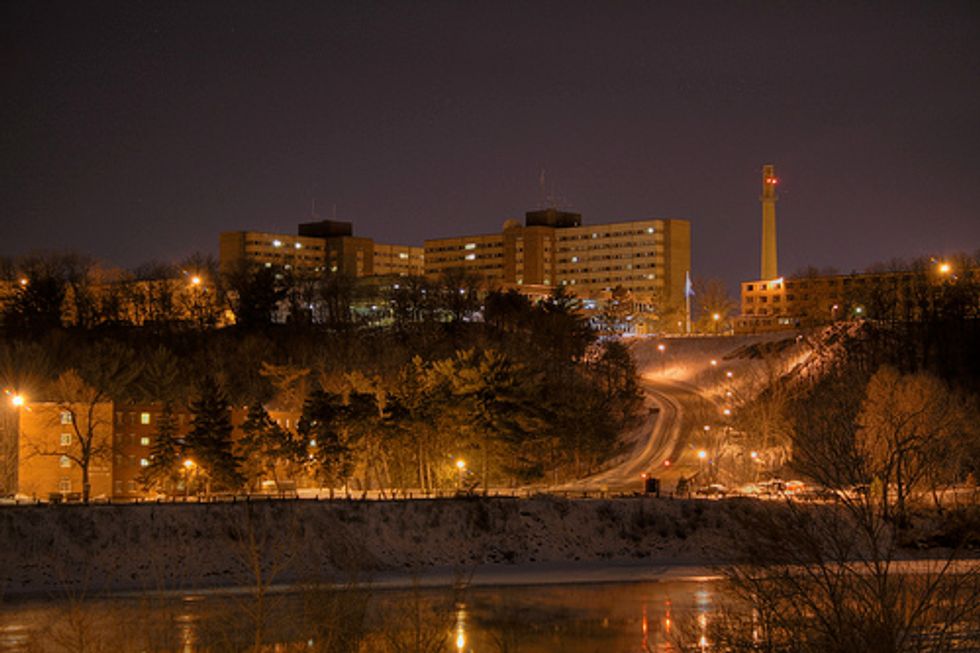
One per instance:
[(738, 360), (76, 550)]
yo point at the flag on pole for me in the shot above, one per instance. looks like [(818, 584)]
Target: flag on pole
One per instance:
[(688, 293)]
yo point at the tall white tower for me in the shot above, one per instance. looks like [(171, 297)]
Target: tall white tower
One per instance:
[(768, 198)]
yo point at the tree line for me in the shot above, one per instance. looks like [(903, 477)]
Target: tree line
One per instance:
[(525, 394)]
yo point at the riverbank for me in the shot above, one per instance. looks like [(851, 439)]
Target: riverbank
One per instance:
[(51, 550)]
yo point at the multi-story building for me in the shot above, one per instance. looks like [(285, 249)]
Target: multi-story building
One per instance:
[(327, 245), (39, 447), (647, 258), (47, 448), (814, 299)]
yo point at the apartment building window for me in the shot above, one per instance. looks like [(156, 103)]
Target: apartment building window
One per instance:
[(64, 485), (64, 461), (145, 441), (144, 418), (66, 439), (66, 417), (144, 462)]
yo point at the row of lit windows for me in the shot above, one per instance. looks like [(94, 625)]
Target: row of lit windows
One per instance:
[(570, 235), (608, 279)]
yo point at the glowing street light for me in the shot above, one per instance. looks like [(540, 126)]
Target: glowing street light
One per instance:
[(195, 280), (24, 281), (188, 466), (17, 400), (726, 412), (945, 268), (661, 347), (729, 374), (460, 468), (714, 363), (702, 454)]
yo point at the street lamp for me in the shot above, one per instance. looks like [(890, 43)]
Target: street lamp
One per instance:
[(945, 268), (188, 466), (195, 280), (460, 468), (17, 400), (702, 455)]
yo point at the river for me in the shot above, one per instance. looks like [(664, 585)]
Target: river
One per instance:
[(582, 618)]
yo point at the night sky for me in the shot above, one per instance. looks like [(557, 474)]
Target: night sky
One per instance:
[(135, 131)]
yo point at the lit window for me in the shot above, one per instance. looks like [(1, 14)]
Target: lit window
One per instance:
[(312, 443), (574, 259), (65, 439), (277, 243), (299, 246), (402, 255), (649, 230), (470, 246), (144, 462), (64, 485), (470, 257), (145, 441), (65, 461), (65, 417), (144, 418)]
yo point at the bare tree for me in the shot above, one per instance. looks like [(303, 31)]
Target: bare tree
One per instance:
[(82, 410), (908, 423)]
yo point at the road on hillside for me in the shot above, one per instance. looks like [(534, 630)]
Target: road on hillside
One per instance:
[(661, 437)]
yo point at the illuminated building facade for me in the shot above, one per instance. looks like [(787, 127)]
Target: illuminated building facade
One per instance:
[(814, 299), (324, 246), (647, 258)]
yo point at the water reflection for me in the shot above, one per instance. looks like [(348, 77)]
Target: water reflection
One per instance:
[(618, 618)]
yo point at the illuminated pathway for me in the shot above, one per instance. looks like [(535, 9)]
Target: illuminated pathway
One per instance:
[(662, 437)]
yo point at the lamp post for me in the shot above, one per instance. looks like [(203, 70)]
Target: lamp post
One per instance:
[(662, 348), (460, 468), (702, 455), (188, 466)]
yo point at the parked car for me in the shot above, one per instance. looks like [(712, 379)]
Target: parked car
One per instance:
[(713, 490)]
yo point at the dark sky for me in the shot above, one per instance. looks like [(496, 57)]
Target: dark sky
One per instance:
[(136, 131)]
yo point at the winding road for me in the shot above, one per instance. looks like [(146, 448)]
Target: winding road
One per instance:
[(663, 436)]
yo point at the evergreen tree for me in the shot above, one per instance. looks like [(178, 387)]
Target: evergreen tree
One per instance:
[(266, 447), (209, 441), (323, 426), (163, 471)]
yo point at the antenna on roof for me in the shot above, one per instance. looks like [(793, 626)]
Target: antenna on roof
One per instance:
[(543, 199)]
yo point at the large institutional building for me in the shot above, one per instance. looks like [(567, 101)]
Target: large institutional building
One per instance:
[(773, 302), (647, 258), (325, 246)]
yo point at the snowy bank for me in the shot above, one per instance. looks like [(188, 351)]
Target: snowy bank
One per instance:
[(54, 550)]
